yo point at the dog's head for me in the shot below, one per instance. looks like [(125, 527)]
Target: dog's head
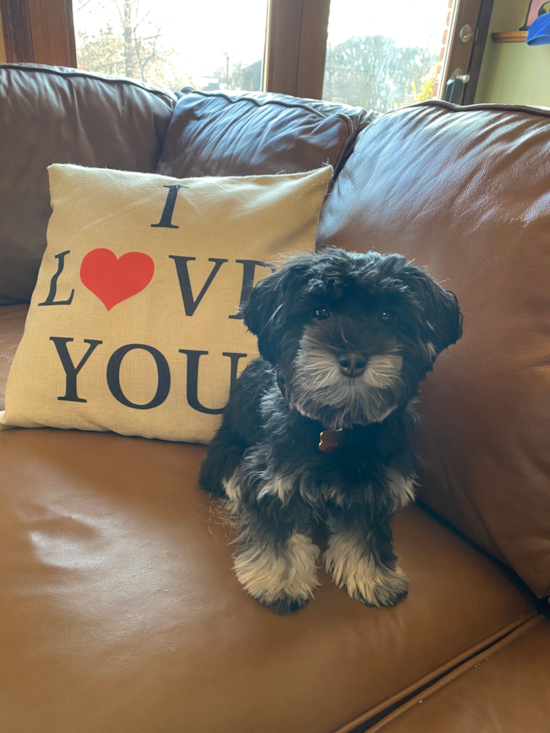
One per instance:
[(351, 335)]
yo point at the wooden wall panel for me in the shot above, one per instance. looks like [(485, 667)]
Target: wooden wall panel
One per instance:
[(52, 32), (39, 31), (16, 28)]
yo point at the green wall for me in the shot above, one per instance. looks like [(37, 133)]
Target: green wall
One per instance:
[(513, 73)]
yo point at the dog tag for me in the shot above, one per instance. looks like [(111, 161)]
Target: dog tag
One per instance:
[(330, 440)]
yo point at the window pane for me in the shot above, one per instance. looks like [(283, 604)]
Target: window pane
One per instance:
[(383, 56), (213, 44)]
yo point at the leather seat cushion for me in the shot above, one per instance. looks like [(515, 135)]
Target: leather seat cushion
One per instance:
[(257, 133), (119, 609), (12, 323), (504, 690), (55, 115), (464, 191)]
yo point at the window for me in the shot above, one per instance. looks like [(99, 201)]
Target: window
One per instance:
[(174, 43), (382, 56), (378, 55)]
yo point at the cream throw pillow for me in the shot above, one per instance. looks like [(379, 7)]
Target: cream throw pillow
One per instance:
[(132, 326)]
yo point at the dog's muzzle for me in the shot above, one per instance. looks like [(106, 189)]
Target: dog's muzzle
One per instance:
[(352, 364)]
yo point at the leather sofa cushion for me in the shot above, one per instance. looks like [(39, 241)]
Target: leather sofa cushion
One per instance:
[(12, 323), (53, 115), (464, 190), (218, 134), (504, 690), (120, 610)]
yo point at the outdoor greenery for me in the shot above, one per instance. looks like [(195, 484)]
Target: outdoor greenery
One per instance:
[(427, 84), (131, 45), (373, 72), (370, 71)]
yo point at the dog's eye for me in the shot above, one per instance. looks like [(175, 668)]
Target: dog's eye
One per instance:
[(321, 314), (387, 317)]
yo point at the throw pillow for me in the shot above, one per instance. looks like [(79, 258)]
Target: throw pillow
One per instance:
[(133, 323)]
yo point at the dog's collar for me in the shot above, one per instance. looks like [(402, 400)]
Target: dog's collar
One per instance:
[(330, 440)]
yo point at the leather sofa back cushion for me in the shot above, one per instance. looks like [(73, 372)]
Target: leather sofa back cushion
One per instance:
[(52, 115), (466, 191), (257, 133), (133, 323)]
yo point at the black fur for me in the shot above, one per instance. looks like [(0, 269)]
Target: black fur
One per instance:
[(265, 460)]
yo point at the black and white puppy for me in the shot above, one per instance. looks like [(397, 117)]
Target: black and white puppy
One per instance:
[(317, 428)]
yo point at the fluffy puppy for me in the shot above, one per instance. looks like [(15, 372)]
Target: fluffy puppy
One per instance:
[(316, 429)]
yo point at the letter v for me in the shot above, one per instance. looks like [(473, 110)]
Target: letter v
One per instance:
[(189, 303)]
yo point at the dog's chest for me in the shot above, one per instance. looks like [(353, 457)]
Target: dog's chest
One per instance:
[(322, 488)]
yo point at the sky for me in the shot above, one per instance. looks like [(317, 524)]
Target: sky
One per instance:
[(409, 22), (201, 31)]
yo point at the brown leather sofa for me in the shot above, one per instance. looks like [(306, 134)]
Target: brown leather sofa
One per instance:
[(119, 610)]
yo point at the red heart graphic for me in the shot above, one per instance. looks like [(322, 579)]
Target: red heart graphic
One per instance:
[(113, 280)]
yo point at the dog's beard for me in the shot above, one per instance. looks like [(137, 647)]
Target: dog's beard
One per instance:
[(318, 389)]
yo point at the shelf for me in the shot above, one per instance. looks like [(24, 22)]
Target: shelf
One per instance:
[(510, 37)]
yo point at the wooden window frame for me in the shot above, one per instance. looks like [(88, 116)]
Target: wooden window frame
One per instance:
[(480, 39), (468, 55), (39, 31), (42, 31), (297, 36), (294, 61)]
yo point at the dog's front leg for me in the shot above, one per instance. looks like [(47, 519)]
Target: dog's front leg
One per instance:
[(276, 563), (360, 558)]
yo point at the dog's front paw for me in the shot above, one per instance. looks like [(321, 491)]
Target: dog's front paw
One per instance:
[(285, 605), (389, 587), (281, 578), (363, 577)]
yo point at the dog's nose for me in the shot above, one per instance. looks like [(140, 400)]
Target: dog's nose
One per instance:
[(353, 364)]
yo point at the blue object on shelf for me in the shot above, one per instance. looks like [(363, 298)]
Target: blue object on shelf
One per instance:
[(539, 31)]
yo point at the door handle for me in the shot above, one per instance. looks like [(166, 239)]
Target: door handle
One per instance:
[(455, 86)]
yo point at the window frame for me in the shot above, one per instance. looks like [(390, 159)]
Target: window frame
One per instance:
[(466, 56), (39, 31), (42, 31), (295, 60)]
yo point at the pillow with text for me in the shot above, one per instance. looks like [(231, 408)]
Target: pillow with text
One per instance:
[(133, 323)]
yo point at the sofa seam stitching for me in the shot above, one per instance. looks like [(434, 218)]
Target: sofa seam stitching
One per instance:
[(501, 634), (158, 92)]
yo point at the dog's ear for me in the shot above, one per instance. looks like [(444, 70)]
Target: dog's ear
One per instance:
[(265, 311), (443, 317), (261, 313)]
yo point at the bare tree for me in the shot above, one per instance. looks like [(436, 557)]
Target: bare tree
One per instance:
[(238, 76), (373, 72), (131, 45)]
